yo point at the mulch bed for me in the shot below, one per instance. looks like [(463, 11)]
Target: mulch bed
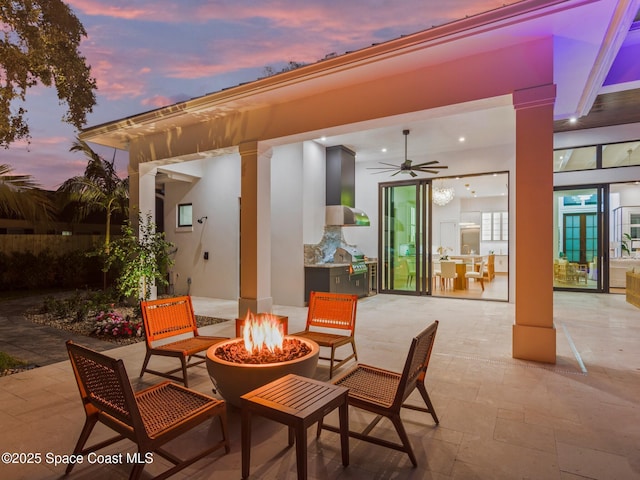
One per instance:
[(87, 328)]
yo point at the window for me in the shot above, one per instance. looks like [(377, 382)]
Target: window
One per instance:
[(634, 227), (570, 159), (495, 226), (621, 154), (185, 215)]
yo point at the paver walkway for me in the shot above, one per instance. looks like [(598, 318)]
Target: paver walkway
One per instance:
[(33, 343)]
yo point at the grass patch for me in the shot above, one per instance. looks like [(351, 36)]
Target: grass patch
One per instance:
[(7, 362)]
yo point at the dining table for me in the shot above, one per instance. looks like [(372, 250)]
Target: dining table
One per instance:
[(467, 258)]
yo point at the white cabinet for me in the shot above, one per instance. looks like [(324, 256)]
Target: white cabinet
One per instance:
[(501, 264)]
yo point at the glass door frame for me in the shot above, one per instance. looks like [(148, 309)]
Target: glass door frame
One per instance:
[(423, 237), (602, 221)]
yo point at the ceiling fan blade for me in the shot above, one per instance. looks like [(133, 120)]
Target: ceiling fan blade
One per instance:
[(392, 167), (431, 166), (412, 173), (396, 173), (390, 164), (434, 172), (426, 163)]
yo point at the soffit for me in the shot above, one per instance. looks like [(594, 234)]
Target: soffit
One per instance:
[(583, 29)]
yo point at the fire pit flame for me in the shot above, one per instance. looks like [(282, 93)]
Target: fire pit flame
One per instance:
[(262, 332)]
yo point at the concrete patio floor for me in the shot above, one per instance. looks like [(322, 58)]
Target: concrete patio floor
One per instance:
[(500, 418)]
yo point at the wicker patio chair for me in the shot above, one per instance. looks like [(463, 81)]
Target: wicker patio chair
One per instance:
[(327, 314), (149, 418), (384, 393), (173, 318)]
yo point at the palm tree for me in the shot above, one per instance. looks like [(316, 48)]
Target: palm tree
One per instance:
[(21, 196), (99, 189)]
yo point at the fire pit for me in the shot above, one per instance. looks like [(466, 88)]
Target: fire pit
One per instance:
[(264, 354)]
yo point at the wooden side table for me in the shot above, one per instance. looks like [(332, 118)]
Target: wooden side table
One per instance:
[(297, 402)]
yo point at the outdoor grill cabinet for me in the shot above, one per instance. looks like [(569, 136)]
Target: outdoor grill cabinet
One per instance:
[(334, 279)]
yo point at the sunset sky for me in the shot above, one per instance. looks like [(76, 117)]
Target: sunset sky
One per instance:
[(149, 53)]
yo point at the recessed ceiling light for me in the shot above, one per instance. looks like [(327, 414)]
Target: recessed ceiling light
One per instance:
[(573, 120), (461, 139), (383, 150), (323, 139)]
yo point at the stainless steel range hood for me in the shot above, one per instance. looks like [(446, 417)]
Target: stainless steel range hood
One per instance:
[(343, 215), (340, 189)]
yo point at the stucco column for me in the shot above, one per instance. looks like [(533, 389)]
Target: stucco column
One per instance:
[(534, 335), (147, 193), (255, 229), (146, 205)]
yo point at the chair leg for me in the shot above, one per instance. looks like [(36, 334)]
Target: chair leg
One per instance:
[(482, 283), (145, 363), (185, 379), (333, 353), (136, 471), (402, 433), (355, 352), (89, 423), (425, 396)]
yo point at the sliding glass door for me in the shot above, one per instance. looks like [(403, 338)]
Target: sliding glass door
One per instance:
[(404, 237)]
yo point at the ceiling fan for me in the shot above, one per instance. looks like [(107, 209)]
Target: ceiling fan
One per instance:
[(407, 166)]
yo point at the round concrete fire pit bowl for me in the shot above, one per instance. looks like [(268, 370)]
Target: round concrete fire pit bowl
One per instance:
[(233, 380)]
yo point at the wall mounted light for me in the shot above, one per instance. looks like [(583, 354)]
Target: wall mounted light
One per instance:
[(202, 219)]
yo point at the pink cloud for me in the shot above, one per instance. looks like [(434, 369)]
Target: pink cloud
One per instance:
[(99, 8), (157, 101)]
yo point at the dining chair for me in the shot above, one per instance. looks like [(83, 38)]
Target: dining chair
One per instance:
[(384, 392), (410, 265), (447, 273), (478, 275)]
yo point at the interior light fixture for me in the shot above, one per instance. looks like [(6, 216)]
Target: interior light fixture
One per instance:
[(202, 219), (441, 195)]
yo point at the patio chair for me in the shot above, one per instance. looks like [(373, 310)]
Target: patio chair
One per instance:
[(327, 312), (384, 392), (169, 319), (149, 418)]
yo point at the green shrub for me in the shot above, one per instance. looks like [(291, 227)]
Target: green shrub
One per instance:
[(81, 305), (45, 270)]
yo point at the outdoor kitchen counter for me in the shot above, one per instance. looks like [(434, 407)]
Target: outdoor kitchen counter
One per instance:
[(334, 265), (336, 278)]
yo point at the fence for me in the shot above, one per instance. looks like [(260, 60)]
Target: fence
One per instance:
[(57, 244)]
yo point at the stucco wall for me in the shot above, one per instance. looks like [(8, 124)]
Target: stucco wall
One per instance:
[(287, 224), (215, 196)]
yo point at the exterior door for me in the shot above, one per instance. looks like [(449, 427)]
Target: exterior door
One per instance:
[(404, 236), (578, 246)]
